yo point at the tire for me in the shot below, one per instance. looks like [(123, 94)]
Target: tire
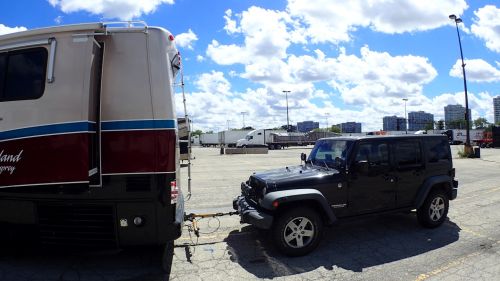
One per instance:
[(167, 257), (244, 146), (434, 210), (297, 231)]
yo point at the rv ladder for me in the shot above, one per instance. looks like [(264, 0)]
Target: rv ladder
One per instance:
[(188, 126)]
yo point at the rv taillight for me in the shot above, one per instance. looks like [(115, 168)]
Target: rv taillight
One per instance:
[(171, 37), (174, 192)]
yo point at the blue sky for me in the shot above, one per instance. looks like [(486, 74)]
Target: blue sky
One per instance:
[(342, 60)]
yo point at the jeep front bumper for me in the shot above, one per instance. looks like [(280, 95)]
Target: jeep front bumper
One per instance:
[(251, 215)]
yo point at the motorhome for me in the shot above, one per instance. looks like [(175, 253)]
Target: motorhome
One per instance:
[(89, 151)]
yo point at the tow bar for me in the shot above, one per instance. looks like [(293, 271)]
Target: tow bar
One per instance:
[(194, 223)]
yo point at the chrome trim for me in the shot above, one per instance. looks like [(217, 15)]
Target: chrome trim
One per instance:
[(25, 44), (52, 59)]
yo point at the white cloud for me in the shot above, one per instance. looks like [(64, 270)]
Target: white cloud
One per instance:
[(200, 58), (334, 20), (5, 29), (119, 9), (476, 70), (366, 79), (214, 83), (487, 26), (186, 40), (231, 25), (58, 19), (265, 36)]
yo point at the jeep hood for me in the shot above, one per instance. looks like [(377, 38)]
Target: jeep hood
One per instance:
[(296, 176)]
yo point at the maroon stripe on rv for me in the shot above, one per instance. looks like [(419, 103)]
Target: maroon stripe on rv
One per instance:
[(138, 151), (47, 159)]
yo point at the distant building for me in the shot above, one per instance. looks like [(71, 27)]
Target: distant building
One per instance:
[(454, 116), (307, 126), (394, 123), (419, 120), (496, 109), (350, 127)]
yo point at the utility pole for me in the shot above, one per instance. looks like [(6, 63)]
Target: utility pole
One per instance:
[(326, 116), (243, 113), (406, 123), (287, 119)]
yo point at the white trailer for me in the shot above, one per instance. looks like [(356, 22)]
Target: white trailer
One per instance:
[(211, 139), (231, 137), (273, 139)]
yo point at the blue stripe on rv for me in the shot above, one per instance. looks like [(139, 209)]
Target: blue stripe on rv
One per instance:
[(53, 129), (138, 125)]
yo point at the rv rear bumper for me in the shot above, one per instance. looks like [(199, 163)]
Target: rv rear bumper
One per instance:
[(111, 224)]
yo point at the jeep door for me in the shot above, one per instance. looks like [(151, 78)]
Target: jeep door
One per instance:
[(372, 186), (410, 169)]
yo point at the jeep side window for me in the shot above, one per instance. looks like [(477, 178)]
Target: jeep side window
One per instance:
[(408, 153), (437, 150), (376, 153)]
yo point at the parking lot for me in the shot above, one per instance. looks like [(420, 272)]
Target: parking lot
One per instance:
[(392, 247)]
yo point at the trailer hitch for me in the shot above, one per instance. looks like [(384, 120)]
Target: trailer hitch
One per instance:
[(192, 217)]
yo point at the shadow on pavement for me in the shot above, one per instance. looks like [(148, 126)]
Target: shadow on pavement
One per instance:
[(352, 246), (141, 264)]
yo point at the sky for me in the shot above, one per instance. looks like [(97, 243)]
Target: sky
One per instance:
[(341, 61)]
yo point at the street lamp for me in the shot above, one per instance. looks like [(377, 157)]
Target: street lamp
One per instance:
[(287, 120), (326, 116), (406, 125), (467, 149), (243, 115)]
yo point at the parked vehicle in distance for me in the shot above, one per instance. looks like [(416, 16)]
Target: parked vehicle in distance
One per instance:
[(273, 139), (230, 138), (350, 177), (209, 139), (89, 154), (459, 136)]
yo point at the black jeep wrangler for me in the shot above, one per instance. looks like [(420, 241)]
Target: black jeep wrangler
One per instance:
[(348, 177)]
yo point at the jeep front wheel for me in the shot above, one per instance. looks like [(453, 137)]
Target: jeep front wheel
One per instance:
[(434, 210), (297, 232)]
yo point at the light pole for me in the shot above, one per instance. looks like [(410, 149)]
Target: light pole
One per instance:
[(326, 116), (228, 124), (287, 119), (406, 123), (243, 113), (467, 149)]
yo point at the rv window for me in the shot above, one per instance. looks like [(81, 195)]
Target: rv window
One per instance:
[(24, 74)]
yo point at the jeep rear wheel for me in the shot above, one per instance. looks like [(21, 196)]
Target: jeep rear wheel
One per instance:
[(297, 232), (434, 210)]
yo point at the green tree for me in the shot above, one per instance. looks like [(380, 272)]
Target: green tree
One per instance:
[(480, 123), (440, 124), (335, 129), (429, 126), (197, 133)]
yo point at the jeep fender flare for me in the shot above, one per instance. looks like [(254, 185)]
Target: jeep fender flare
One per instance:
[(426, 187), (297, 195)]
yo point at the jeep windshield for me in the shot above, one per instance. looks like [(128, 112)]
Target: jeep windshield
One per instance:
[(326, 151)]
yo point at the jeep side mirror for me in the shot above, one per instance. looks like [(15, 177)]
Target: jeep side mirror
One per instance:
[(363, 166)]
